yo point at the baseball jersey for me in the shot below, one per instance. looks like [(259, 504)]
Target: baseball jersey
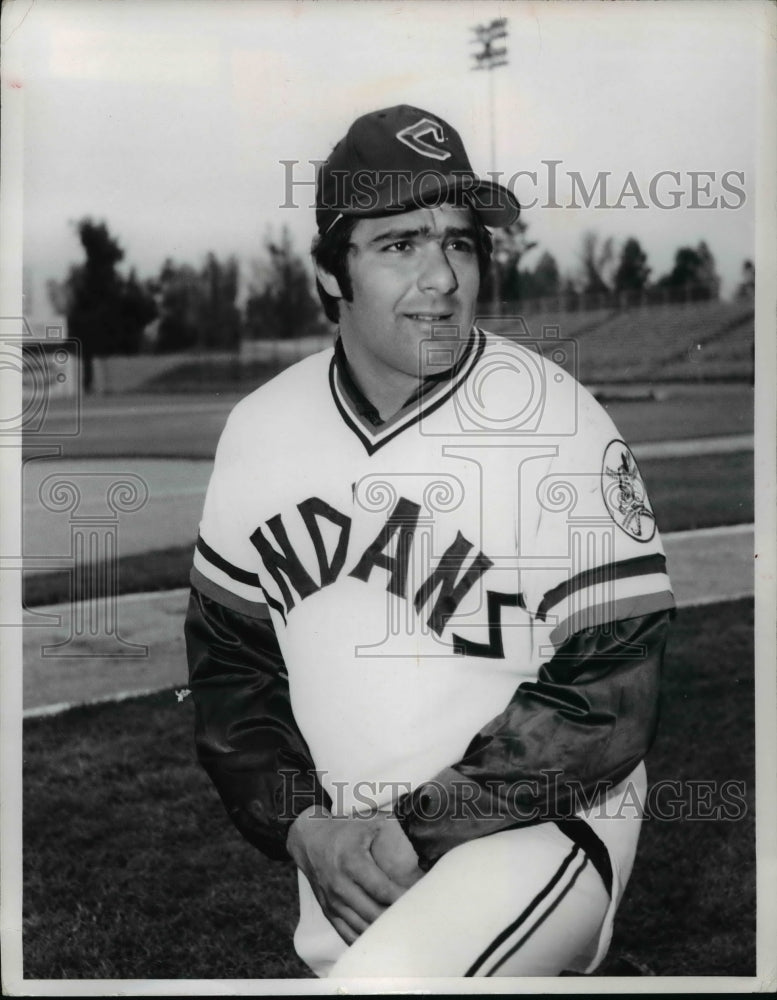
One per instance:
[(435, 582)]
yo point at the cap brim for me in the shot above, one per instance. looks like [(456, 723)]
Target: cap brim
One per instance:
[(495, 204)]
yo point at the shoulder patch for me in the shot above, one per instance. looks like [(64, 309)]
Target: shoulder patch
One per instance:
[(624, 493)]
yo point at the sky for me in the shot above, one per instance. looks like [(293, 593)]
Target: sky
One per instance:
[(169, 120)]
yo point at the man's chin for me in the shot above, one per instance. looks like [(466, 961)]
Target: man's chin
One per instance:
[(441, 348)]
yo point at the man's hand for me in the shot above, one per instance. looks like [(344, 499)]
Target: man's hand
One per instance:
[(394, 853), (335, 856)]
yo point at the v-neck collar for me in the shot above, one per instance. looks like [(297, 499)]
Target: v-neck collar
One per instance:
[(362, 416)]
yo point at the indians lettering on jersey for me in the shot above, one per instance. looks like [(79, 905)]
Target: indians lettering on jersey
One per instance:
[(455, 573)]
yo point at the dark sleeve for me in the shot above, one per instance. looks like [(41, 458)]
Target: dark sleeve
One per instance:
[(584, 724), (245, 733)]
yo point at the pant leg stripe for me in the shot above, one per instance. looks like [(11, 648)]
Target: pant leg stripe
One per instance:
[(540, 921), (513, 927), (580, 832)]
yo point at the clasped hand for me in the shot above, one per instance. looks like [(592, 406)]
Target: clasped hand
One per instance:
[(357, 866)]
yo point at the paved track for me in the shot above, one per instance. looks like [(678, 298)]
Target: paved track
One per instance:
[(170, 494), (710, 565)]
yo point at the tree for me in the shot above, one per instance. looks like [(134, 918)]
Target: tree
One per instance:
[(281, 304), (546, 275), (199, 307), (746, 287), (180, 307), (693, 273), (138, 309), (106, 313), (632, 273), (510, 246), (539, 283), (220, 321), (596, 260), (570, 293)]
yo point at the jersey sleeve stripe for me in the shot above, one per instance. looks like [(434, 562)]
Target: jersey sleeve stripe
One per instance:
[(638, 566), (227, 598), (608, 597), (250, 592), (240, 575), (611, 611)]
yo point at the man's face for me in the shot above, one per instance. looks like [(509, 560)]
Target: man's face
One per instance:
[(415, 281)]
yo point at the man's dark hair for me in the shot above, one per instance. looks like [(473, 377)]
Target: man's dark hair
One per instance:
[(330, 252)]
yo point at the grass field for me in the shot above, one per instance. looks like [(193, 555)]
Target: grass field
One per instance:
[(132, 869)]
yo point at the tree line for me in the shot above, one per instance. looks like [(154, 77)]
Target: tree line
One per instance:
[(183, 307), (186, 307), (601, 270)]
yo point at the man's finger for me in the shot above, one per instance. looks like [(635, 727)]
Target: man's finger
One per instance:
[(353, 896), (373, 880), (340, 914), (346, 933)]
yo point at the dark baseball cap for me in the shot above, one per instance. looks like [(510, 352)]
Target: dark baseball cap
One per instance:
[(401, 158)]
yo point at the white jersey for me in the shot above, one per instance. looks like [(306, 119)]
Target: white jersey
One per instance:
[(418, 571)]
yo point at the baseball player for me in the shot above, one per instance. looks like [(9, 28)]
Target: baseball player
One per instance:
[(429, 601)]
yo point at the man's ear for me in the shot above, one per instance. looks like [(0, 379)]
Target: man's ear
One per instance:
[(328, 282)]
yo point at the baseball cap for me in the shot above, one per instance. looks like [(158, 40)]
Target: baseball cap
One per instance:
[(400, 158)]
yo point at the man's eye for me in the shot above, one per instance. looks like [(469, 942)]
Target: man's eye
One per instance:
[(398, 246), (462, 246)]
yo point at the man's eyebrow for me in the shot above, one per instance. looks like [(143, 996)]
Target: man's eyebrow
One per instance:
[(407, 234)]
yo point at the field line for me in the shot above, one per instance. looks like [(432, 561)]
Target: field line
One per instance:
[(174, 407), (700, 602), (41, 711), (717, 532), (692, 447)]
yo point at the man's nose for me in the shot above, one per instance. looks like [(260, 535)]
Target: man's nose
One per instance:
[(437, 275)]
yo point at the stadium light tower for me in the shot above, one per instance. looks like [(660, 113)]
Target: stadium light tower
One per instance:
[(490, 56)]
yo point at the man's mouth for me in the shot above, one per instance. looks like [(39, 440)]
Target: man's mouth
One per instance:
[(430, 317)]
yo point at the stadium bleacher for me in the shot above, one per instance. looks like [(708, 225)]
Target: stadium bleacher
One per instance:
[(695, 341)]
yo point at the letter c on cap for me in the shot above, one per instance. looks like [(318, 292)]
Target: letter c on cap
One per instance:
[(412, 137)]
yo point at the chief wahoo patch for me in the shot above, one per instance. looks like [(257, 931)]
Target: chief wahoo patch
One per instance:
[(624, 493)]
